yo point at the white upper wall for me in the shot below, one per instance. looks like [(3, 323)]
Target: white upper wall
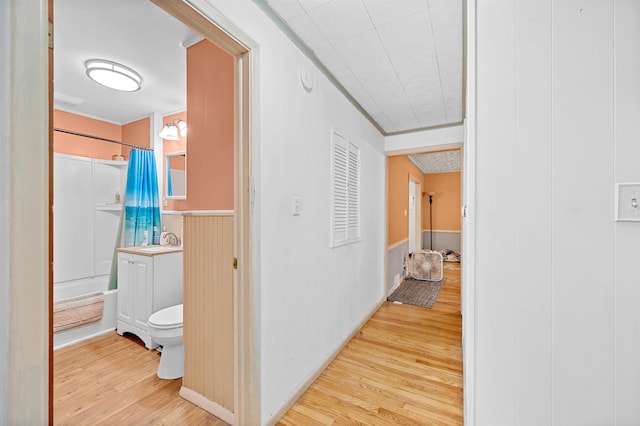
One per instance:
[(424, 141), (312, 297), (557, 296), (626, 152)]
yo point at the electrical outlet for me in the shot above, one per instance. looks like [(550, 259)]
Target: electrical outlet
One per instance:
[(628, 202)]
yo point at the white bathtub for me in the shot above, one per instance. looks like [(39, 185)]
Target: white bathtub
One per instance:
[(65, 290)]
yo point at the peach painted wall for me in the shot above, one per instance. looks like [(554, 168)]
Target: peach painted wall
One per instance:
[(136, 132), (446, 201), (210, 102), (77, 145), (173, 146), (399, 168)]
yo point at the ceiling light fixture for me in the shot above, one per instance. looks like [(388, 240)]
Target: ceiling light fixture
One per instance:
[(170, 130), (113, 75)]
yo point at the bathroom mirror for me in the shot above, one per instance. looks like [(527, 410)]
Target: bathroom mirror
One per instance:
[(176, 167)]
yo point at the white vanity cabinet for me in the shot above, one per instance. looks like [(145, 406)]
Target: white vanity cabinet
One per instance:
[(149, 279)]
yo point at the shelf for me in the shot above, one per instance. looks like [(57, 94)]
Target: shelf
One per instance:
[(108, 207), (114, 163)]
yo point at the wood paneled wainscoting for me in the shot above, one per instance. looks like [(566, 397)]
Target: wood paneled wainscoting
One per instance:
[(209, 342)]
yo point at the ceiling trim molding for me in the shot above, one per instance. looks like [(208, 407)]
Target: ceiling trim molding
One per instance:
[(313, 58), (425, 129)]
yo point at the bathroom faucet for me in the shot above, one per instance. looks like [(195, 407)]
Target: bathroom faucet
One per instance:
[(172, 239)]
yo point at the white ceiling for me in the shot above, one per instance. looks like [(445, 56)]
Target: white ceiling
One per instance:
[(401, 60), (134, 33)]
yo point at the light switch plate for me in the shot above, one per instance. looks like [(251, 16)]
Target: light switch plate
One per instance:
[(297, 206), (628, 202)]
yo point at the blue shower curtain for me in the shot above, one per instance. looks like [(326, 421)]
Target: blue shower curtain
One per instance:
[(142, 205)]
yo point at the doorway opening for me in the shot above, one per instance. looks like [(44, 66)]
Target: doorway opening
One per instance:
[(245, 405), (415, 215), (423, 209)]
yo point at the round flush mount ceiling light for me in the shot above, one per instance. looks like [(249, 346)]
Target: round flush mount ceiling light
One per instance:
[(113, 75)]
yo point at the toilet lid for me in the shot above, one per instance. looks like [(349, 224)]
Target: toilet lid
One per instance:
[(167, 317)]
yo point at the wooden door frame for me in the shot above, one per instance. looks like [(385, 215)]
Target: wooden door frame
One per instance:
[(211, 26), (24, 212), (50, 219)]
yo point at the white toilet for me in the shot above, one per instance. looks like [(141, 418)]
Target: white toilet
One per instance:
[(165, 328)]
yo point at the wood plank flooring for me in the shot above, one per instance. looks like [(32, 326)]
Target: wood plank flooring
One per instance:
[(111, 380), (403, 367)]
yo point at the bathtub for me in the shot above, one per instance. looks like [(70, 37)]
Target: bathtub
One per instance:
[(65, 290)]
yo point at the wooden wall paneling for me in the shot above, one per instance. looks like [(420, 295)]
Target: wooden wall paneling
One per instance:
[(209, 313)]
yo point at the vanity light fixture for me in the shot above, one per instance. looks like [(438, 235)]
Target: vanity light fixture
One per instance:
[(170, 130), (182, 125), (113, 75)]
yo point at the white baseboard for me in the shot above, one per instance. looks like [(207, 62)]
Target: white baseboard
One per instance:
[(212, 407), (391, 290), (275, 418)]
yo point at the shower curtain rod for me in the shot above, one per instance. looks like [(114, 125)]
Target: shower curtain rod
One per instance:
[(146, 148)]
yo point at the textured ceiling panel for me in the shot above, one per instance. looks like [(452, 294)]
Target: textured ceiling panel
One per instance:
[(402, 39), (304, 26), (383, 12), (447, 33), (310, 5), (287, 9), (438, 162), (340, 20), (405, 54)]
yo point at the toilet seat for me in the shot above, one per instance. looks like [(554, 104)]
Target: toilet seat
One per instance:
[(166, 318)]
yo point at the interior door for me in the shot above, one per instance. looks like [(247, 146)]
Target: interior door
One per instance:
[(417, 196), (415, 215), (412, 217)]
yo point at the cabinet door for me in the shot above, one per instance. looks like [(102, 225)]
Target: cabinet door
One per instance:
[(167, 280), (141, 290), (125, 280)]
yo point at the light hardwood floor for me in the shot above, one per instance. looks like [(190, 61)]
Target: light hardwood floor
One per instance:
[(111, 380), (403, 367)]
